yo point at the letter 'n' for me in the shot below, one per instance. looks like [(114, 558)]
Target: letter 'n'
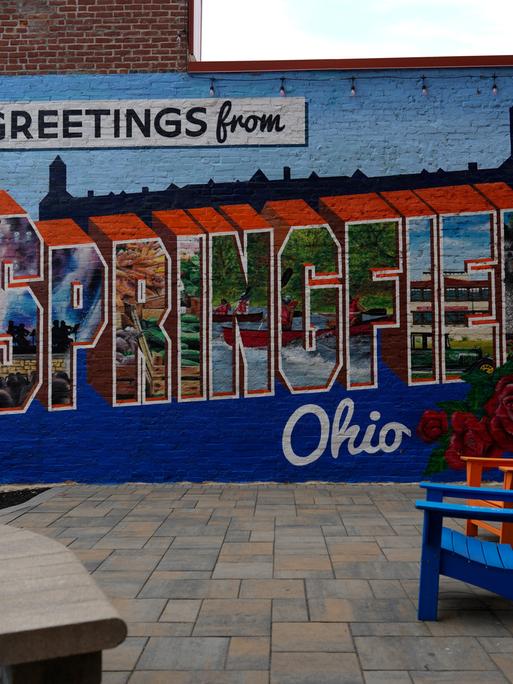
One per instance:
[(186, 325), (131, 363), (240, 284)]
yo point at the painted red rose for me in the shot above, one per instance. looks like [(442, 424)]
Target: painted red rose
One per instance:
[(470, 437), (500, 411), (432, 425)]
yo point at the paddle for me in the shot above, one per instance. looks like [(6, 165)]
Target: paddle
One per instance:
[(286, 276)]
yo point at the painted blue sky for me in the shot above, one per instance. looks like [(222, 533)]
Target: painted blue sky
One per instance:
[(420, 248), (388, 128), (302, 29), (464, 237)]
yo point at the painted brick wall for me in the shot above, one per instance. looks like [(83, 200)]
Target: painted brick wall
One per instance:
[(389, 207), (103, 36)]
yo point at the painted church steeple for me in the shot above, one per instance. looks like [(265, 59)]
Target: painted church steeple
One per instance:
[(58, 177)]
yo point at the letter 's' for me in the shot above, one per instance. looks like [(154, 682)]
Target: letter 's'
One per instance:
[(21, 315)]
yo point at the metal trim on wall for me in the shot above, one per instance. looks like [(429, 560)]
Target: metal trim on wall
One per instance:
[(346, 64)]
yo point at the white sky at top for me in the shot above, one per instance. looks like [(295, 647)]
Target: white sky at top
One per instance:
[(309, 29)]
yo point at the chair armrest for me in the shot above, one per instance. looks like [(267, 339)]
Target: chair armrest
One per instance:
[(436, 491), (466, 512), (488, 462)]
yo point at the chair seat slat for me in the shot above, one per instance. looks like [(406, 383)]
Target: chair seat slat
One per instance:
[(447, 540), (506, 554), (492, 556), (475, 550), (460, 544)]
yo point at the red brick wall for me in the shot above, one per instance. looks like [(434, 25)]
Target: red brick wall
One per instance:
[(104, 36)]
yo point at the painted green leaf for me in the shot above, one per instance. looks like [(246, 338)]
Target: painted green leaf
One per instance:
[(436, 463), (479, 394), (502, 371), (451, 406)]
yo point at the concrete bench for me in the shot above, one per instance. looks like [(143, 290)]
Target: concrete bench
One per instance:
[(54, 620)]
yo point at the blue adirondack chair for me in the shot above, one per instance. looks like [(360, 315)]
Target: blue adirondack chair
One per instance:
[(446, 552)]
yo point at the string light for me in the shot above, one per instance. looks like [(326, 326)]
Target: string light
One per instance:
[(351, 80), (337, 79)]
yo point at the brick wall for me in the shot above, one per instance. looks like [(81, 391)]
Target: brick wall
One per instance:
[(103, 36)]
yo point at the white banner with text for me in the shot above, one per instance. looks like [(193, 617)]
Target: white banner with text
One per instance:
[(152, 123)]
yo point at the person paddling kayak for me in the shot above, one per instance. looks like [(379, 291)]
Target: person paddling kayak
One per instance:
[(243, 304), (287, 312), (224, 308), (355, 310)]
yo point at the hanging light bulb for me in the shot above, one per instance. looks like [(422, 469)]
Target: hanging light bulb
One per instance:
[(212, 89), (494, 85), (282, 88), (353, 86), (424, 86)]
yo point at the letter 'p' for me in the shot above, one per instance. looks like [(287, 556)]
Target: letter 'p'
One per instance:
[(74, 301)]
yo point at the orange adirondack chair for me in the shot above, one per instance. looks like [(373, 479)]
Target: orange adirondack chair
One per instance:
[(475, 467)]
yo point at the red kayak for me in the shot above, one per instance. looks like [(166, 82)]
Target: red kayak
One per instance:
[(260, 338), (366, 327), (242, 318)]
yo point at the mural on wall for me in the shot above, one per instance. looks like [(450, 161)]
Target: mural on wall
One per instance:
[(351, 328), (76, 313), (480, 425), (421, 302), (139, 307), (131, 363), (371, 301), (507, 224), (20, 312), (189, 265), (302, 307), (241, 313)]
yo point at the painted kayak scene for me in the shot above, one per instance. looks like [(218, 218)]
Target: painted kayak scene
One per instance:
[(244, 296), (362, 325), (260, 338), (371, 303)]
